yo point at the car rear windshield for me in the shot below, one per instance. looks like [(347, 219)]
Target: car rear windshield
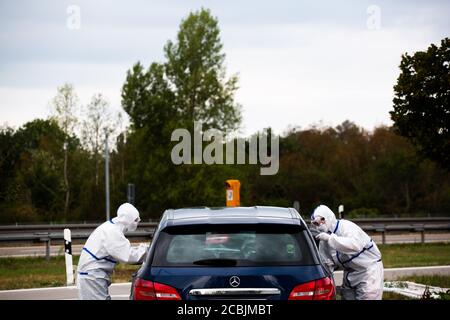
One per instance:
[(233, 245)]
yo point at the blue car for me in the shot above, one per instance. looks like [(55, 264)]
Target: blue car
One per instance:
[(264, 253)]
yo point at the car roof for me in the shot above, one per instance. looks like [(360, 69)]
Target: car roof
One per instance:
[(230, 215)]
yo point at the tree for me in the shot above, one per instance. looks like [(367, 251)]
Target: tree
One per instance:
[(65, 106), (147, 98), (196, 72), (189, 86), (98, 120), (9, 157), (422, 101), (392, 180), (37, 187)]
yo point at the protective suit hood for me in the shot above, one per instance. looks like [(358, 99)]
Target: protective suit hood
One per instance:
[(126, 217), (330, 218)]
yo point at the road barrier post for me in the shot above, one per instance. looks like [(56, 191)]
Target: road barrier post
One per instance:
[(382, 229), (45, 237), (421, 229), (68, 256), (47, 249)]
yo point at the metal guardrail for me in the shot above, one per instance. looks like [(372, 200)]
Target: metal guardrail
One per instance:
[(401, 220), (48, 233), (71, 226), (43, 236), (11, 233), (93, 225), (48, 237), (383, 229)]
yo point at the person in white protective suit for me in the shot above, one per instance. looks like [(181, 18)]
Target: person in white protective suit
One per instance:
[(343, 244), (104, 248)]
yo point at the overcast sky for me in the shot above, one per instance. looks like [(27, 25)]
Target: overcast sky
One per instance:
[(299, 62)]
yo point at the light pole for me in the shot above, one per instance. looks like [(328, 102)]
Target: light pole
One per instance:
[(66, 180), (130, 193), (297, 206), (107, 175)]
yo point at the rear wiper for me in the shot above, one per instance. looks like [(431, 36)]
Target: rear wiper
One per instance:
[(216, 262)]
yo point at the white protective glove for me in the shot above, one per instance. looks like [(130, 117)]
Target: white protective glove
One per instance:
[(323, 236), (144, 245)]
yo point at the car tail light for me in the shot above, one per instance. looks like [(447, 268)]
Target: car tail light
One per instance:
[(148, 290), (322, 289), (165, 292), (144, 290)]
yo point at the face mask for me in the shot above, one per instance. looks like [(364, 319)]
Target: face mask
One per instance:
[(133, 226), (319, 224), (322, 228)]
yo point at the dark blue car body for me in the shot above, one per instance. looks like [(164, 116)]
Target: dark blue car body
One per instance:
[(256, 281)]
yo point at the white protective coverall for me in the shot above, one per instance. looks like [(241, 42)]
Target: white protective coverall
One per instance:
[(345, 245), (105, 247)]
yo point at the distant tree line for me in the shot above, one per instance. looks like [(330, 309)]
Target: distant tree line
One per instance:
[(371, 173), (53, 169)]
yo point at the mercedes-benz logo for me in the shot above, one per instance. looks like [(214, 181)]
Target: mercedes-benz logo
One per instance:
[(235, 281)]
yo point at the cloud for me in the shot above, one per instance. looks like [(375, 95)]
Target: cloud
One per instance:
[(299, 62), (324, 74)]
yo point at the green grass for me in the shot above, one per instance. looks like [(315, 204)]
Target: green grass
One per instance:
[(386, 296), (34, 272), (433, 280), (18, 273), (394, 296), (408, 255), (22, 273)]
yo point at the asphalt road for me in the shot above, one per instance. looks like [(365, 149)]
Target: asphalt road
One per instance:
[(118, 291), (121, 291), (414, 237), (35, 251), (39, 250)]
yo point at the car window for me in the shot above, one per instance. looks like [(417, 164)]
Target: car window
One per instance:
[(253, 246)]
